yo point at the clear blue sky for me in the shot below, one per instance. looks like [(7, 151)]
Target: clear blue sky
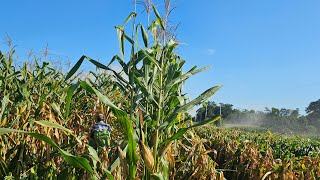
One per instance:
[(265, 53)]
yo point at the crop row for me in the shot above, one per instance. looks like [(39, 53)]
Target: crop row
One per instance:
[(244, 155)]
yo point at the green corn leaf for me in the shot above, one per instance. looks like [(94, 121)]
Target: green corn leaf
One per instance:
[(138, 57), (200, 99), (93, 153), (131, 15), (56, 108), (116, 57), (53, 125), (94, 157), (204, 104), (132, 156), (115, 164), (76, 161), (184, 108), (108, 175), (103, 98), (170, 46), (144, 90), (75, 67), (8, 130), (144, 35), (128, 38), (5, 101), (70, 93), (181, 131), (185, 76), (158, 16), (3, 168), (177, 135), (120, 33), (157, 176), (121, 62), (118, 75), (153, 29), (98, 64), (155, 62), (205, 122)]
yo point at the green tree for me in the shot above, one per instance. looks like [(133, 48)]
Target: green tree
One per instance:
[(210, 110), (313, 113), (286, 121)]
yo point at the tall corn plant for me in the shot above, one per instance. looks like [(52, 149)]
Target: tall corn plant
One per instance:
[(152, 79), (33, 100)]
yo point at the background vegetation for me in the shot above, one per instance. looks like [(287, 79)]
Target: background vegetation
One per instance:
[(283, 121)]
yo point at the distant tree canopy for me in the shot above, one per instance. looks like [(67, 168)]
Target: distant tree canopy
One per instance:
[(211, 110), (313, 113), (278, 120)]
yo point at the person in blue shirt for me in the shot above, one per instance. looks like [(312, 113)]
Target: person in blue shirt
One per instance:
[(100, 133)]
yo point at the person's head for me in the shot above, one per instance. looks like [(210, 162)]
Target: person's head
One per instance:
[(100, 117)]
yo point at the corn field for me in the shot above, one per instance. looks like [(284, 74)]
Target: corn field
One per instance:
[(46, 118), (245, 155)]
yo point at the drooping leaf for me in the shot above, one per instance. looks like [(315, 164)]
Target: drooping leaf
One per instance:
[(177, 135), (120, 34), (116, 57), (155, 62), (131, 15), (118, 75), (76, 161), (185, 76), (129, 39), (7, 130), (153, 29), (158, 17), (144, 35), (200, 99), (53, 125), (70, 93), (103, 98), (208, 121), (98, 64), (184, 108), (75, 68), (181, 131)]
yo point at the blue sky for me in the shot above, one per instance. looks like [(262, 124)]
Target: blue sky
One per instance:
[(265, 53)]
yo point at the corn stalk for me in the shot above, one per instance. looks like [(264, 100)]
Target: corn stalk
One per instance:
[(34, 110), (152, 80)]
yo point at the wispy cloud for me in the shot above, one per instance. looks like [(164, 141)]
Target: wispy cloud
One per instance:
[(210, 51)]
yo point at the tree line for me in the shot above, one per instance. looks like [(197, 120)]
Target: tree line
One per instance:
[(279, 120)]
